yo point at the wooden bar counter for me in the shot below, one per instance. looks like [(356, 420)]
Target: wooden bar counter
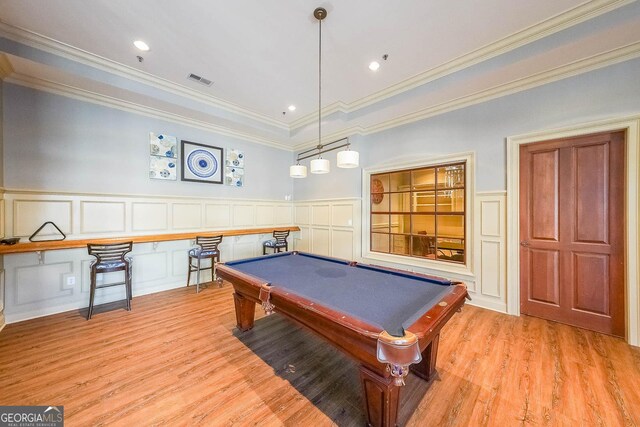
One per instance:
[(82, 243)]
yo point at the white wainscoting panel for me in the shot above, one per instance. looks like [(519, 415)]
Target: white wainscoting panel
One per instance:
[(329, 227), (342, 244), (265, 215), (302, 243), (342, 215), (31, 214), (46, 282), (102, 217), (284, 215), (1, 224), (320, 241), (217, 215), (2, 319), (490, 219), (150, 216), (34, 288), (243, 215), (320, 214), (150, 266), (489, 251), (186, 216), (302, 216)]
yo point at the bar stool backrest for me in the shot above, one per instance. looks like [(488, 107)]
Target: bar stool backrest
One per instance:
[(281, 236), (109, 253), (209, 244)]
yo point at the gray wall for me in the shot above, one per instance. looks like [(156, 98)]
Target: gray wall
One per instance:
[(55, 143), (613, 91)]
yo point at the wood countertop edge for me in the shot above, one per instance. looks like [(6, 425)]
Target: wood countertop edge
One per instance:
[(82, 243)]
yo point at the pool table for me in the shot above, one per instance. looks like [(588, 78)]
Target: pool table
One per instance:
[(388, 320)]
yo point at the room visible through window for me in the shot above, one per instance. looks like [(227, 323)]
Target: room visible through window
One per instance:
[(420, 212)]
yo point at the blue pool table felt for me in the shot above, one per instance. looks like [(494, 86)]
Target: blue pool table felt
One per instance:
[(389, 300)]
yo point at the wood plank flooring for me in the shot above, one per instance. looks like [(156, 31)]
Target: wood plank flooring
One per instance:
[(176, 359)]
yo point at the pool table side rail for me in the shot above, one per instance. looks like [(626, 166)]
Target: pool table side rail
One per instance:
[(430, 323), (407, 274), (291, 253), (250, 286), (352, 335)]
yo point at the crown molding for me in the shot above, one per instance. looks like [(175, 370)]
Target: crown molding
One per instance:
[(131, 107), (530, 34), (571, 69), (47, 44), (5, 67)]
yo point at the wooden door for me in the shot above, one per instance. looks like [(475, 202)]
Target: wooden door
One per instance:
[(572, 231)]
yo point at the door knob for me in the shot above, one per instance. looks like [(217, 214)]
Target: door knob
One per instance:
[(524, 243)]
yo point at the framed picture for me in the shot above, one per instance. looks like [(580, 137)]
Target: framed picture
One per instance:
[(201, 163)]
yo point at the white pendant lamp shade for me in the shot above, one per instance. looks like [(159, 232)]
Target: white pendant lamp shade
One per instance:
[(319, 166), (348, 159), (298, 171)]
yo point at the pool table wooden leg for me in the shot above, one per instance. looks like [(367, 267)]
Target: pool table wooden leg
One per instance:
[(381, 397), (427, 367), (245, 312)]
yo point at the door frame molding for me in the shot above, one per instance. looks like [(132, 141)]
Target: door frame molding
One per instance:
[(630, 124)]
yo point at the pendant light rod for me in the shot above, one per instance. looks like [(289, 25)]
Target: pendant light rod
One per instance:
[(314, 152), (320, 13), (319, 80), (321, 147)]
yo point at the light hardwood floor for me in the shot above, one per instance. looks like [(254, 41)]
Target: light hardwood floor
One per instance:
[(176, 359)]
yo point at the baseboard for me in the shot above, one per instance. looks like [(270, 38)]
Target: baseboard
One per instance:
[(487, 302)]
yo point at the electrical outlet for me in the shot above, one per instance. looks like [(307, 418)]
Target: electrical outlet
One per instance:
[(71, 280)]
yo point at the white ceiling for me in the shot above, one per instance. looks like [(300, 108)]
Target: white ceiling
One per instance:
[(262, 56)]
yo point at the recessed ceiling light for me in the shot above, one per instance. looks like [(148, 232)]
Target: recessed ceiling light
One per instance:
[(141, 45), (292, 108), (374, 66)]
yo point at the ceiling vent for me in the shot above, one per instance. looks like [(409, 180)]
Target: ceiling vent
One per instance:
[(201, 80)]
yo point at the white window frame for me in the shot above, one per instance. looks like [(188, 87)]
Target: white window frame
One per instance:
[(422, 265)]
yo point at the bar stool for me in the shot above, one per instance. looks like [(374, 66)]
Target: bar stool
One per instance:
[(278, 242), (208, 249), (110, 258)]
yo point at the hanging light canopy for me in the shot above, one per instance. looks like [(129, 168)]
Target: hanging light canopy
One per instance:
[(346, 158)]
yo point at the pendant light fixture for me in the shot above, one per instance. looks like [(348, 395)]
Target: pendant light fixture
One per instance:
[(298, 171), (320, 165), (347, 158)]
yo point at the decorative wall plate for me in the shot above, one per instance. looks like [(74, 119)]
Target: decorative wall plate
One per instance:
[(376, 191)]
